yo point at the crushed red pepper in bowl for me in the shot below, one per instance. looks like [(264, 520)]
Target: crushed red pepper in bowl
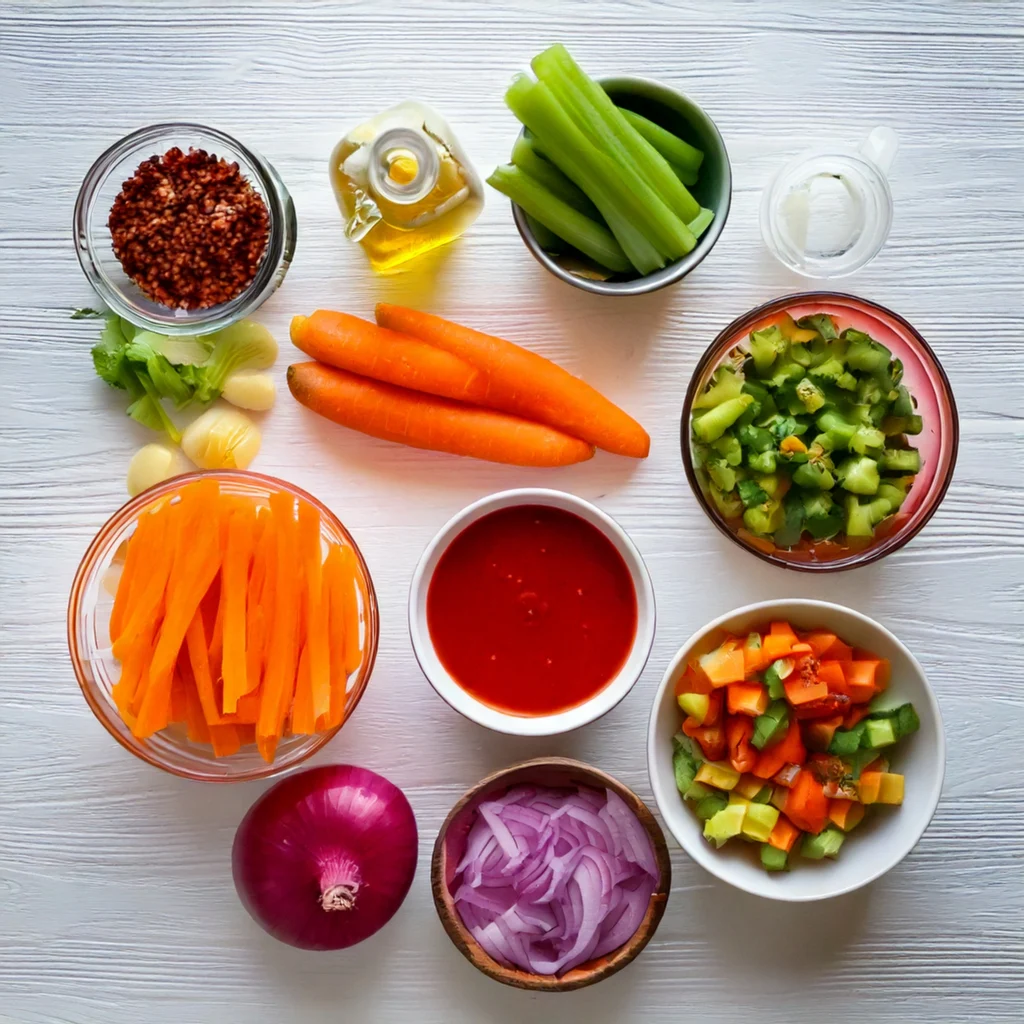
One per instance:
[(189, 229)]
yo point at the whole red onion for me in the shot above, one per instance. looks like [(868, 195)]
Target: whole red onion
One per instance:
[(325, 857)]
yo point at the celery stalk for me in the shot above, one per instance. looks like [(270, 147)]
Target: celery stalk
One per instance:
[(565, 145), (591, 238), (530, 162), (626, 201), (701, 222), (605, 125), (684, 159)]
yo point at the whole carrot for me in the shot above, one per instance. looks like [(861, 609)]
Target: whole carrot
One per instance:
[(527, 384), (425, 421), (362, 347)]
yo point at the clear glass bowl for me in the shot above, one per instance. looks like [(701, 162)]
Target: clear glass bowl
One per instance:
[(97, 670), (94, 246), (923, 376)]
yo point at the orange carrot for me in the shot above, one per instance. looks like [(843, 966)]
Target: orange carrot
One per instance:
[(738, 731), (196, 562), (746, 699), (303, 719), (693, 681), (832, 675), (789, 750), (784, 834), (199, 659), (279, 675), (424, 421), (807, 805), (356, 345), (350, 612), (179, 697), (261, 585), (234, 583), (335, 612), (526, 384), (803, 691), (143, 543), (317, 638)]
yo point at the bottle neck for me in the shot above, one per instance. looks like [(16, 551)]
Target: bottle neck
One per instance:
[(404, 165)]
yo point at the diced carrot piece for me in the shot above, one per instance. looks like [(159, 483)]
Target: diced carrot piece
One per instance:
[(715, 701), (819, 732), (711, 738), (802, 691), (845, 814), (807, 805), (860, 680), (789, 750), (754, 660), (303, 719), (742, 753), (693, 681), (241, 542), (801, 648), (832, 675), (317, 636), (783, 628), (883, 673), (784, 834), (746, 699), (724, 666)]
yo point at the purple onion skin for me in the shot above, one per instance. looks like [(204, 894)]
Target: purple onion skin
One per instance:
[(326, 857)]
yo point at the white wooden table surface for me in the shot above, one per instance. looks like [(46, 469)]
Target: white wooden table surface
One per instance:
[(116, 903)]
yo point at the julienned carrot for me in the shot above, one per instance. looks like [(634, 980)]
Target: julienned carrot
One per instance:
[(303, 719), (234, 582), (282, 656), (359, 346), (317, 638), (425, 421), (335, 602), (353, 647), (196, 562), (526, 384), (148, 537)]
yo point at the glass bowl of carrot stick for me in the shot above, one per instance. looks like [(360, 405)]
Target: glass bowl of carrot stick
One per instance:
[(223, 626)]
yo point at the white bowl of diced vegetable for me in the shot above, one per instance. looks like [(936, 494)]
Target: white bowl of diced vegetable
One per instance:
[(808, 743)]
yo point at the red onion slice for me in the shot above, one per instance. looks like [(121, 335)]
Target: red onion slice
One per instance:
[(553, 878)]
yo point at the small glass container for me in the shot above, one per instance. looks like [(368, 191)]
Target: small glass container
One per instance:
[(90, 605), (404, 185), (925, 379), (95, 251), (828, 212)]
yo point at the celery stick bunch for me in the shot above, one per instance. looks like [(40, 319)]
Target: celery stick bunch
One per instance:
[(606, 181)]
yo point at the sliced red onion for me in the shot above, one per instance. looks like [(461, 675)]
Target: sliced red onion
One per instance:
[(552, 878)]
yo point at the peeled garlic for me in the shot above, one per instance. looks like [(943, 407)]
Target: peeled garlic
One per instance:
[(250, 389), (153, 464), (221, 438)]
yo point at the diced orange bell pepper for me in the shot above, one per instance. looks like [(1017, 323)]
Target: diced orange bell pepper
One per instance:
[(784, 834), (738, 731), (829, 646), (868, 787), (746, 699), (807, 805), (860, 680), (693, 681), (715, 701), (710, 737), (789, 750), (818, 733), (803, 691), (855, 715), (832, 675), (724, 665), (845, 814)]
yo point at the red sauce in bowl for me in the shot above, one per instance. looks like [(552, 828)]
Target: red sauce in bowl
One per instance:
[(532, 610)]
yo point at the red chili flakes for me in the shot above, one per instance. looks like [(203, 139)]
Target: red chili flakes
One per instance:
[(189, 229)]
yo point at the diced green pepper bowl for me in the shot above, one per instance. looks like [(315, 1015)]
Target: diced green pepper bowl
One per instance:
[(884, 837), (683, 117), (928, 384)]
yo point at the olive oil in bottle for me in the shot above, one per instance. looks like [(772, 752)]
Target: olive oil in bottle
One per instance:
[(404, 185)]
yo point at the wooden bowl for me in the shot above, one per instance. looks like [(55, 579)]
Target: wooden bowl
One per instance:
[(450, 845)]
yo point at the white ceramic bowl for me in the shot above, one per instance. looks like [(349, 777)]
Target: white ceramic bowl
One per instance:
[(886, 835), (531, 725)]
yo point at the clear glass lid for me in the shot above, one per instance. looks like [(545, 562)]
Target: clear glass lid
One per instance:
[(828, 212)]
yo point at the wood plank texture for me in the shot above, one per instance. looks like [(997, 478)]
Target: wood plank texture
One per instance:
[(116, 904)]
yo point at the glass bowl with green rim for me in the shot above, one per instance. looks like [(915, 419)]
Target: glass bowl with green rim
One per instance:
[(938, 441), (94, 248), (682, 116)]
